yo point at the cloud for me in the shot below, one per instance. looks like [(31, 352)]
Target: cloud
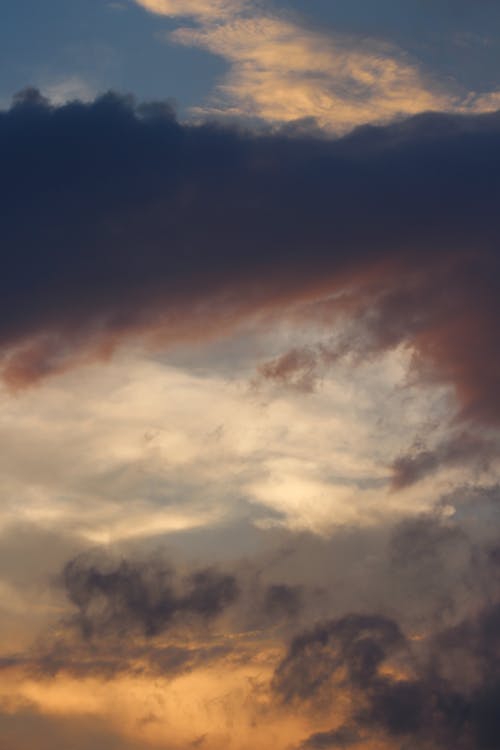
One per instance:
[(129, 596), (68, 89), (282, 71), (342, 737), (281, 598), (200, 9), (403, 667), (417, 316), (379, 675), (138, 450), (356, 642), (428, 539), (139, 616), (458, 450), (130, 617), (441, 692), (24, 726), (124, 225), (110, 659), (301, 368)]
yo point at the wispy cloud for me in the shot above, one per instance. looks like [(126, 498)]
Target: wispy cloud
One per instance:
[(199, 9), (282, 71)]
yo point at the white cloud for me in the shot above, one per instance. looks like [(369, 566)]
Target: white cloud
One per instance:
[(138, 448)]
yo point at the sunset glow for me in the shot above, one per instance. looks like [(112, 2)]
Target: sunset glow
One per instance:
[(249, 375)]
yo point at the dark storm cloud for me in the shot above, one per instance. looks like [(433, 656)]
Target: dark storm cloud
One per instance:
[(440, 693), (133, 615), (118, 221), (428, 682), (355, 642), (130, 616), (434, 686), (149, 597), (143, 597)]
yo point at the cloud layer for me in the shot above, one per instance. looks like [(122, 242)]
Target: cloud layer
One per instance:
[(123, 225), (271, 520), (282, 70), (414, 663)]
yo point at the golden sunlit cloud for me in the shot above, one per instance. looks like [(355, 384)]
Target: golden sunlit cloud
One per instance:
[(226, 705), (281, 71), (202, 9)]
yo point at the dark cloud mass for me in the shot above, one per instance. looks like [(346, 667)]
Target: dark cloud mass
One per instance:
[(411, 683), (358, 642), (438, 691), (142, 596), (131, 616), (118, 221)]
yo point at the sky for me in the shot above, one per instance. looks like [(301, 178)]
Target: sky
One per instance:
[(249, 375)]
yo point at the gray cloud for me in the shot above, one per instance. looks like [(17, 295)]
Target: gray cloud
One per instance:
[(445, 694), (432, 681), (146, 597)]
